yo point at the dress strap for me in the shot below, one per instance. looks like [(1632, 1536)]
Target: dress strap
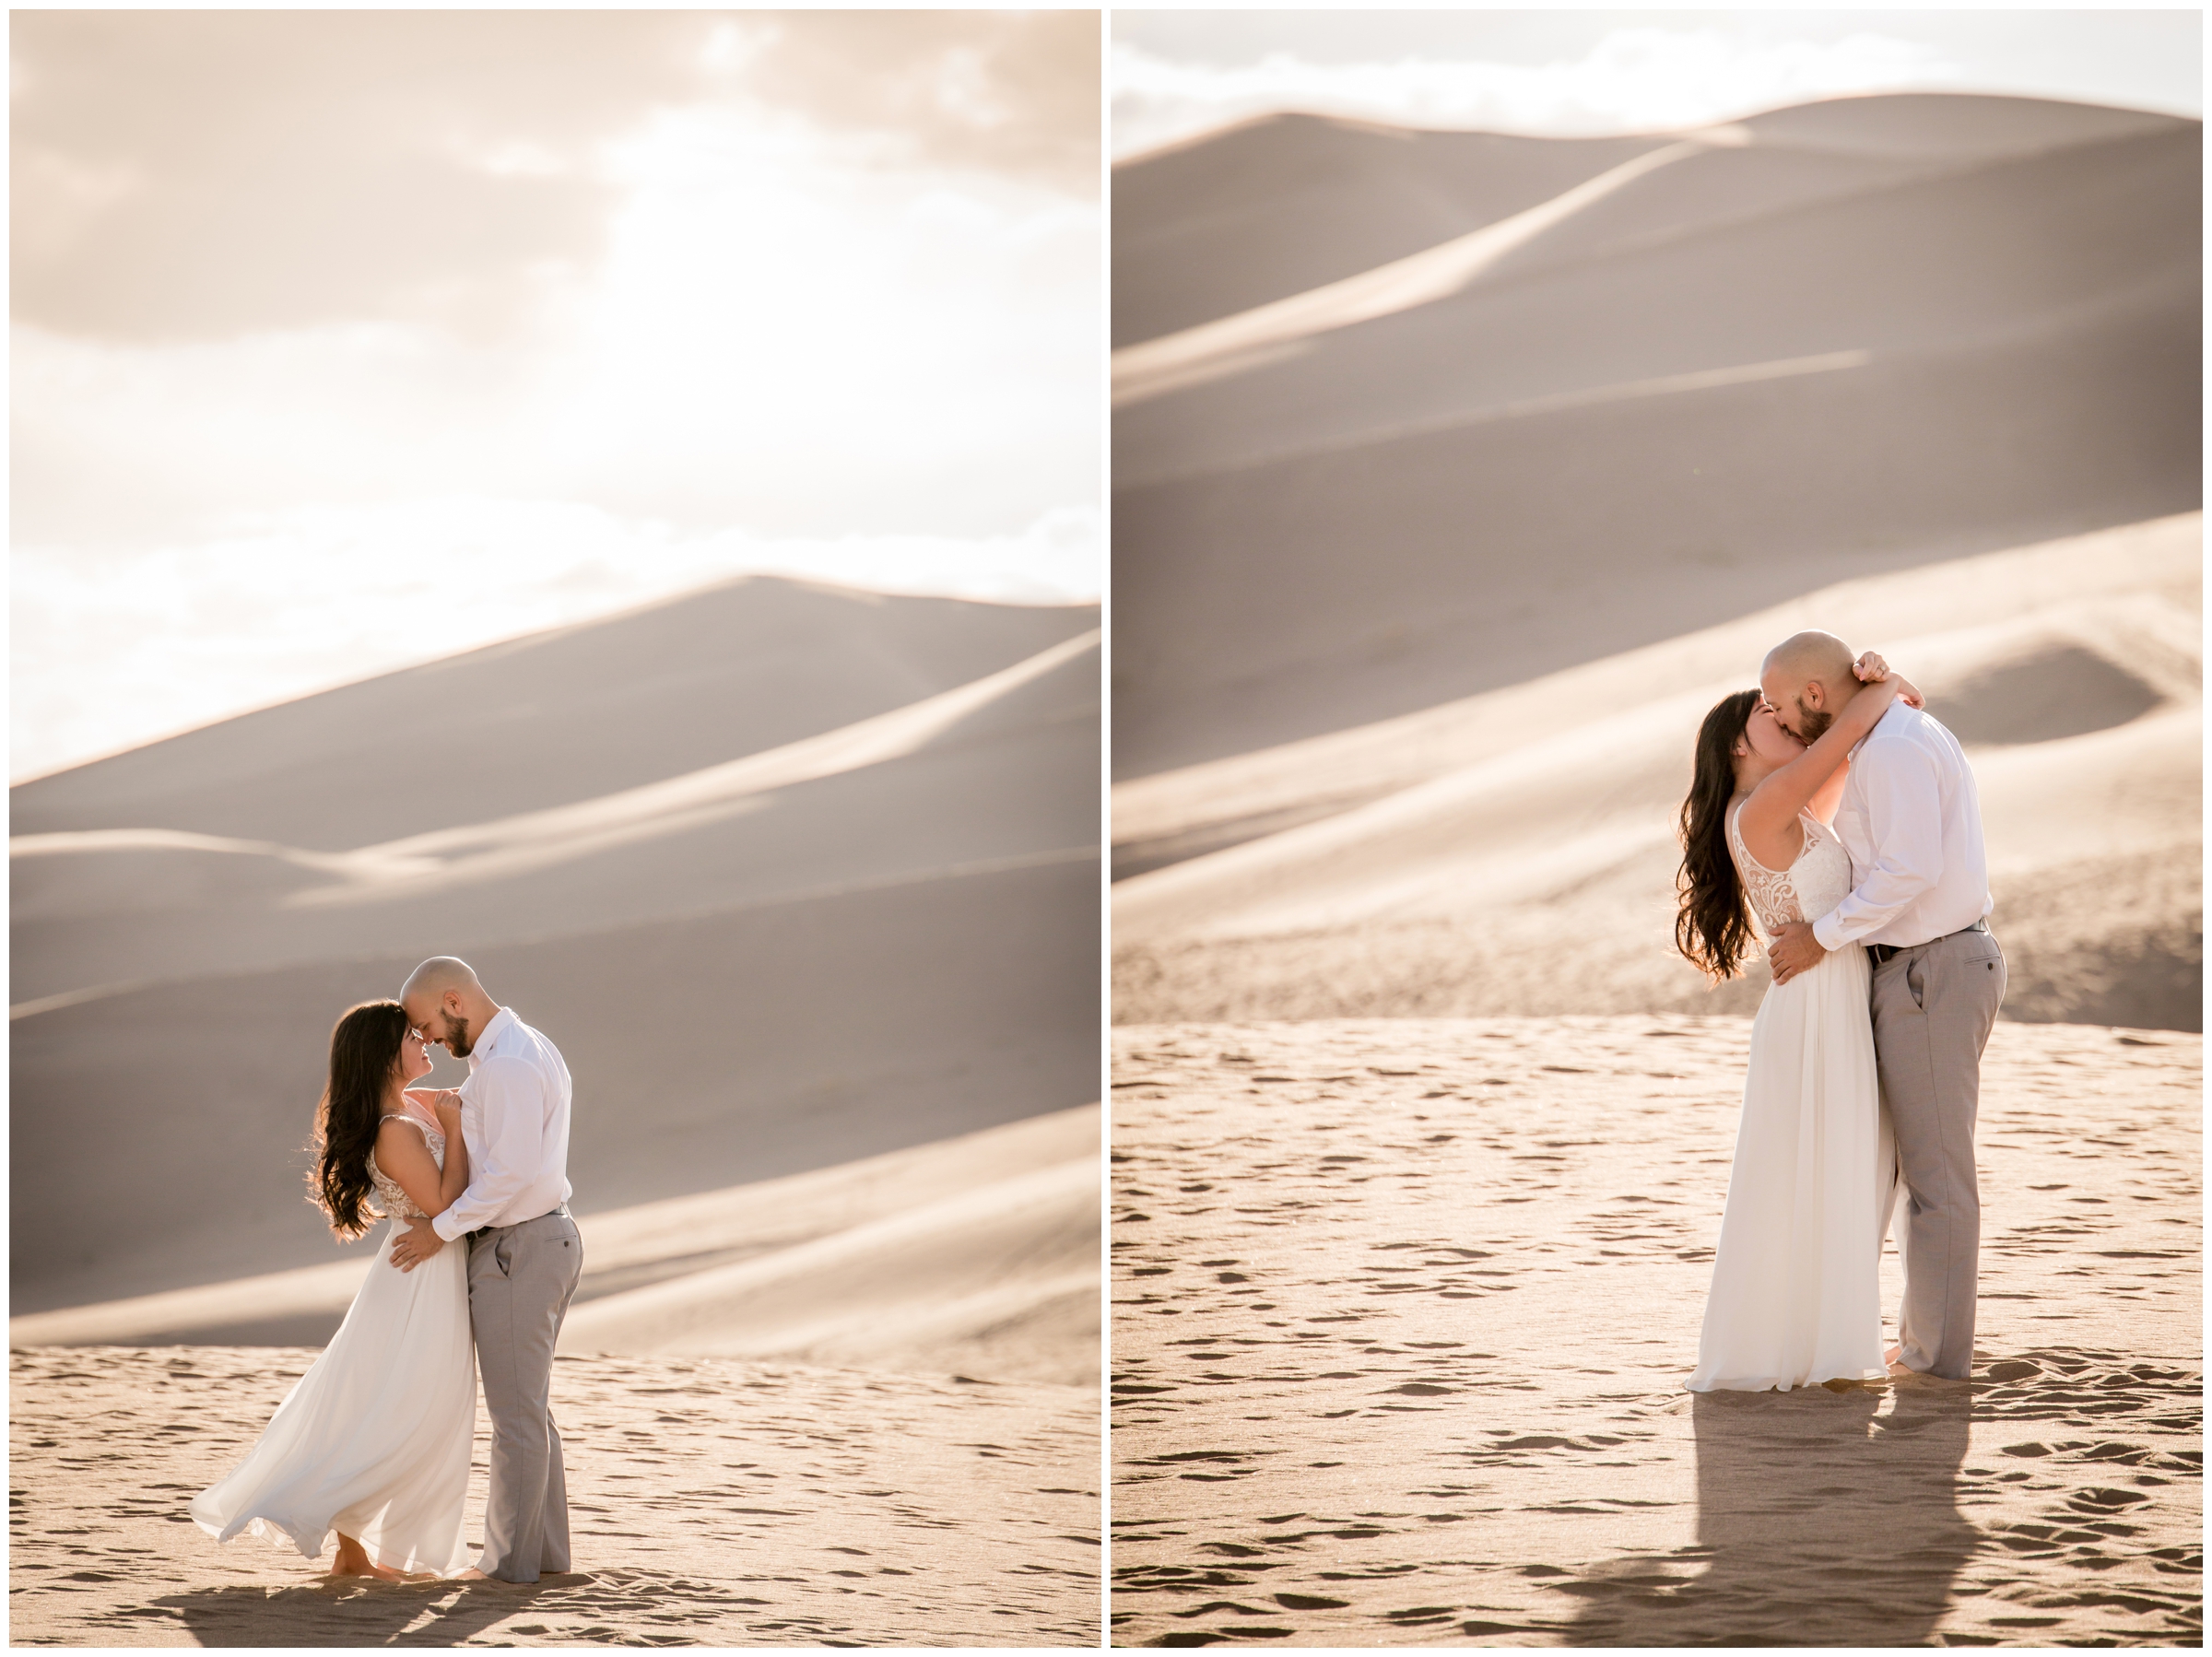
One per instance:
[(402, 1116)]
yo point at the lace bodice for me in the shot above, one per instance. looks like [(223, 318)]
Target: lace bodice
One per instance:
[(1809, 888), (390, 1197)]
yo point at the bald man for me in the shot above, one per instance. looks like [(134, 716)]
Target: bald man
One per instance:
[(1911, 820), (524, 1253)]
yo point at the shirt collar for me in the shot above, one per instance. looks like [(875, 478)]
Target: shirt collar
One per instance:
[(480, 1049)]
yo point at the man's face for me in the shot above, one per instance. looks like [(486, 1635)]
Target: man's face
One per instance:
[(440, 1022), (1788, 698)]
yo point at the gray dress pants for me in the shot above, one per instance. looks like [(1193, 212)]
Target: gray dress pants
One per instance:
[(520, 1279), (1933, 1005)]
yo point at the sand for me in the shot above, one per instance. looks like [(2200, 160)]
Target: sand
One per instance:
[(713, 1502), (804, 883), (1515, 851), (1403, 1308), (916, 1464), (1847, 338)]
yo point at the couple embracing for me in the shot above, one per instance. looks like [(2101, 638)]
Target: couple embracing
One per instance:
[(474, 1272), (1832, 810)]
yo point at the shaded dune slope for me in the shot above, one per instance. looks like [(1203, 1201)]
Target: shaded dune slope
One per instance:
[(1873, 333), (839, 899)]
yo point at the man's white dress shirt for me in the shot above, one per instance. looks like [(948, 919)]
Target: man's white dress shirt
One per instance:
[(1911, 821), (514, 1120)]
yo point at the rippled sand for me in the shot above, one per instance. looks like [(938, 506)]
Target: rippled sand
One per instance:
[(712, 1501), (1403, 1310)]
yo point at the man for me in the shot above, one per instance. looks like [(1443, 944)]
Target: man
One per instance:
[(1912, 822), (525, 1254)]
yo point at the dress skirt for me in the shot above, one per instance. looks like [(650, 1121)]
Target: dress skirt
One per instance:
[(1796, 1284), (373, 1441)]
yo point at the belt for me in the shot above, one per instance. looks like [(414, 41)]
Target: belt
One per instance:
[(1882, 952), (561, 1209)]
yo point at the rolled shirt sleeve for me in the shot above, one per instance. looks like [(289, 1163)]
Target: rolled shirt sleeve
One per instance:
[(1904, 820), (506, 1150)]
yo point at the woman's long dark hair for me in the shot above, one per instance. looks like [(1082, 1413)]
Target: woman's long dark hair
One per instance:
[(1712, 927), (364, 1053)]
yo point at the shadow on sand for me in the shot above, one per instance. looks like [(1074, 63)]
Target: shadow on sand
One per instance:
[(354, 1613), (1824, 1518)]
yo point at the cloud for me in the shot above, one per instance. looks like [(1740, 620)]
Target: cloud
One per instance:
[(1633, 79), (189, 175)]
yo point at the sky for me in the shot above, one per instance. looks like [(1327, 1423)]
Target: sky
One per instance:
[(342, 341), (1575, 74)]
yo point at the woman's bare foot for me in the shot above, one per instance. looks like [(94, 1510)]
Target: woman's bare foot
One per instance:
[(1894, 1354), (353, 1560)]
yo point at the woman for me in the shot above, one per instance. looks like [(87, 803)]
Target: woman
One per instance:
[(1796, 1297), (373, 1441)]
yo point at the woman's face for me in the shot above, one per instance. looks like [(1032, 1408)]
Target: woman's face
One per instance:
[(1766, 738), (413, 1058)]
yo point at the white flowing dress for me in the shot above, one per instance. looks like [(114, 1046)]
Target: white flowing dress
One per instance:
[(373, 1441), (1796, 1284)]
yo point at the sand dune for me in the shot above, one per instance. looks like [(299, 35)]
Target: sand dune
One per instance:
[(1516, 852), (67, 874), (1883, 333), (1403, 1310), (1288, 203), (674, 687), (936, 1277), (975, 1255), (991, 770), (712, 1502), (1222, 346), (834, 897), (1230, 221)]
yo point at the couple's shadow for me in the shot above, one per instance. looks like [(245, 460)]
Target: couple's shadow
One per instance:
[(354, 1613), (1824, 1518)]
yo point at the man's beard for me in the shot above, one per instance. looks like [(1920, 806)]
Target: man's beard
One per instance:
[(456, 1038), (1814, 722)]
